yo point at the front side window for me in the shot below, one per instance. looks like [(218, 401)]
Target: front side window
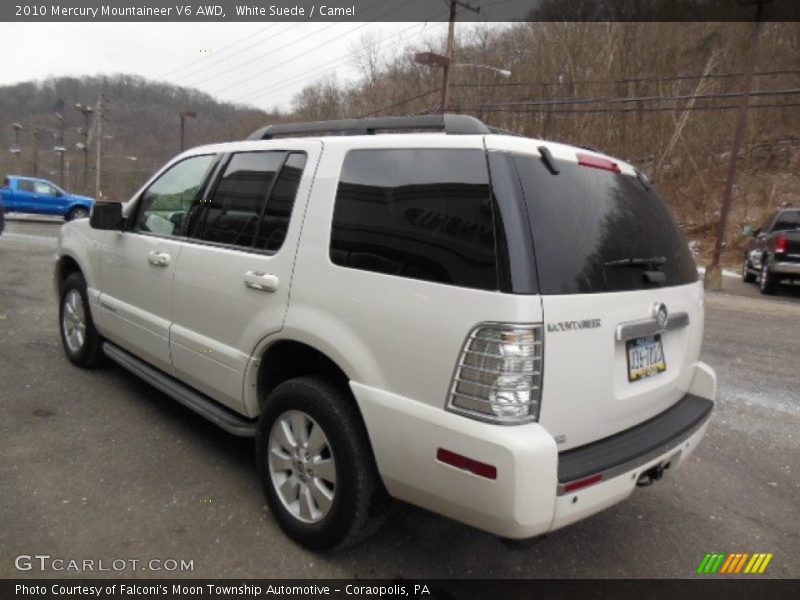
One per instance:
[(45, 189), (163, 206), (416, 213)]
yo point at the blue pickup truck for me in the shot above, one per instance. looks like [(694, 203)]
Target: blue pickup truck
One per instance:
[(41, 197)]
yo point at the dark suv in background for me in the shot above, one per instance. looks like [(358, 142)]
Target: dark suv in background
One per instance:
[(773, 254)]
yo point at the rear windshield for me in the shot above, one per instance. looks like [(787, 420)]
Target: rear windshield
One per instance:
[(584, 218), (788, 220)]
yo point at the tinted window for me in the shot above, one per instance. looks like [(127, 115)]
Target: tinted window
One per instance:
[(585, 218), (422, 214), (163, 206), (232, 214), (275, 220), (788, 220), (24, 185)]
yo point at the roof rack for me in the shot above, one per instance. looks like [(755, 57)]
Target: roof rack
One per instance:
[(449, 124)]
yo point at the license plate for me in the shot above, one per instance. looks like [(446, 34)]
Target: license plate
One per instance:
[(645, 357)]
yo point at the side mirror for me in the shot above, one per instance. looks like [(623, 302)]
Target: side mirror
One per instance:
[(107, 215), (748, 231)]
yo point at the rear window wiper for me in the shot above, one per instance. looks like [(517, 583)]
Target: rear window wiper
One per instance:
[(653, 261)]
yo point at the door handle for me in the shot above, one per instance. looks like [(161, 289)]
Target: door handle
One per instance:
[(258, 280), (158, 259)]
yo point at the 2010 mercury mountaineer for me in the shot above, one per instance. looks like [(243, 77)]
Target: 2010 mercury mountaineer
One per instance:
[(502, 330)]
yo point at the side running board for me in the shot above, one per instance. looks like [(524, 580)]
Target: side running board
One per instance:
[(199, 403)]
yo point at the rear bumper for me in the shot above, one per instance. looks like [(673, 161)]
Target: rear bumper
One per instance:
[(630, 449), (786, 268), (528, 496)]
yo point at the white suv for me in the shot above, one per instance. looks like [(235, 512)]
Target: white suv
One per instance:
[(499, 329)]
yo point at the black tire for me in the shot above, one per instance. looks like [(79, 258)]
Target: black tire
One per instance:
[(360, 502), (747, 276), (79, 212), (769, 283), (89, 352)]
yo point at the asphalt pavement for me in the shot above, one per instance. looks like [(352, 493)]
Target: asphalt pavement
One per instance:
[(96, 465)]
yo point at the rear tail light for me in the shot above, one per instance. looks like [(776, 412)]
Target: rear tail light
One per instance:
[(781, 244), (589, 160), (499, 374)]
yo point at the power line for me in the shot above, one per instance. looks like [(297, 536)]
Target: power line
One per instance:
[(624, 99), (634, 80), (406, 101), (243, 50), (260, 56), (323, 67), (295, 57), (220, 51), (239, 52), (573, 111)]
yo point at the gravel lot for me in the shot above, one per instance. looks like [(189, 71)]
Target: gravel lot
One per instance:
[(98, 465)]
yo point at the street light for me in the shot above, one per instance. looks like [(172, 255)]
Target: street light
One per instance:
[(184, 115), (502, 72), (431, 59)]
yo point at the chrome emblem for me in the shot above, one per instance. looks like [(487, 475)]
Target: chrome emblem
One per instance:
[(661, 314)]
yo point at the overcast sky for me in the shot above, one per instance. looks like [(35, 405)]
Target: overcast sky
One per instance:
[(263, 64)]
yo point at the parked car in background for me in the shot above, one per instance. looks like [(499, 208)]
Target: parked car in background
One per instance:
[(2, 217), (773, 254), (41, 197)]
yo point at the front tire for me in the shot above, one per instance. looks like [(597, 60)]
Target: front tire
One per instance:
[(747, 276), (769, 283), (316, 466), (82, 344), (79, 212)]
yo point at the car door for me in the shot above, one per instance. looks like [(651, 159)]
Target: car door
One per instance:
[(137, 265), (46, 199), (23, 196), (232, 281)]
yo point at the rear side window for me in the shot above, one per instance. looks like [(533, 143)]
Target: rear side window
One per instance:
[(278, 211), (416, 213), (24, 185), (583, 219), (232, 214)]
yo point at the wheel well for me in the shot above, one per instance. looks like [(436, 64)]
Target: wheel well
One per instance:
[(66, 267), (288, 359)]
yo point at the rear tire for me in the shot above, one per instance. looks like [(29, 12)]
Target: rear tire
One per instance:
[(747, 276), (316, 466), (79, 212), (769, 283), (82, 344)]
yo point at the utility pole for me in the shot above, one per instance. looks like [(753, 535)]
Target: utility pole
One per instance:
[(60, 117), (99, 143), (16, 150), (451, 30), (183, 115), (86, 111), (35, 151), (713, 276)]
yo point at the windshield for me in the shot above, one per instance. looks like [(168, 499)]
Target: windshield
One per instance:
[(599, 231)]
